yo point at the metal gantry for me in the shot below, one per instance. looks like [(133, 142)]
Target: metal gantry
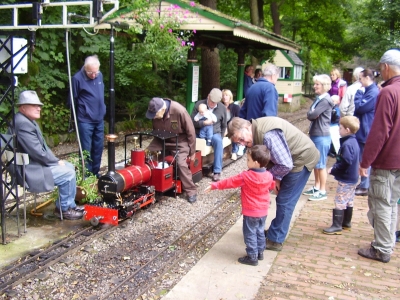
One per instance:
[(14, 52)]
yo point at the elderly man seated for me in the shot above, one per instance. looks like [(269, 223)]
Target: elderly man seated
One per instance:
[(44, 170), (214, 105)]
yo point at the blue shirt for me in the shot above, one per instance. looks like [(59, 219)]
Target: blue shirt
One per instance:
[(89, 97), (280, 153), (261, 101)]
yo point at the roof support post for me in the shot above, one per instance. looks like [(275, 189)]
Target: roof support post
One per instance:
[(192, 89), (240, 74)]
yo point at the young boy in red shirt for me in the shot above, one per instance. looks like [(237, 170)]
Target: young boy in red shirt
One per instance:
[(255, 184)]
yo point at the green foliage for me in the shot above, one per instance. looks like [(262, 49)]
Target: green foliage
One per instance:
[(54, 118), (87, 181), (377, 28)]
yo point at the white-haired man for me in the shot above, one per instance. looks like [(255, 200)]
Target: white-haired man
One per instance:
[(88, 92), (262, 97), (44, 170), (382, 153), (347, 104)]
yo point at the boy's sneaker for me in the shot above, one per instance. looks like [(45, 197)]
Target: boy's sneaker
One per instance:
[(311, 191), (318, 196), (208, 142), (247, 260)]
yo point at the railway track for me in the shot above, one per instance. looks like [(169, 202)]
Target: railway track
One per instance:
[(141, 281), (39, 261)]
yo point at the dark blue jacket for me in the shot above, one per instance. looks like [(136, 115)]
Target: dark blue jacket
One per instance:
[(346, 167), (365, 110), (89, 97), (261, 101), (247, 83)]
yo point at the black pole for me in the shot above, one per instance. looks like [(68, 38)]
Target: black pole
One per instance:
[(112, 91), (111, 136)]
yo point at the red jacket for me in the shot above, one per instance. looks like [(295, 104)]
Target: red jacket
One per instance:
[(256, 185)]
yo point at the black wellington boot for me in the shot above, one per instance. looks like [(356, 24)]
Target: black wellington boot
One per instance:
[(348, 214), (336, 227)]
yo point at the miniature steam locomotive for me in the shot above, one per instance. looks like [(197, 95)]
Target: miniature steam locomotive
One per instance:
[(139, 181)]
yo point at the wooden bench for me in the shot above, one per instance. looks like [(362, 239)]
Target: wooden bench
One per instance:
[(205, 150), (207, 154)]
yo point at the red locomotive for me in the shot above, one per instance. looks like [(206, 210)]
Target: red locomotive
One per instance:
[(139, 181)]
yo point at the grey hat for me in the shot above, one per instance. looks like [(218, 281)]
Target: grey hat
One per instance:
[(215, 95), (29, 97)]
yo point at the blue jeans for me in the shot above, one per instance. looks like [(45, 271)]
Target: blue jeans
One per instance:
[(235, 147), (92, 140), (65, 180), (364, 183), (253, 234), (216, 143), (206, 132), (291, 188)]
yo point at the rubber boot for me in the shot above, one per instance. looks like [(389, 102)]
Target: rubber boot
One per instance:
[(348, 214), (336, 227)]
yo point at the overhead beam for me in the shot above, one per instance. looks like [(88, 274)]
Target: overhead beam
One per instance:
[(87, 21)]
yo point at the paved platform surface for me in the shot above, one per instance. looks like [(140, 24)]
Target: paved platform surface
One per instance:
[(311, 265)]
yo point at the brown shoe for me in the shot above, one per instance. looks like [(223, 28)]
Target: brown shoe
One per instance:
[(372, 253), (70, 214), (274, 246), (216, 177)]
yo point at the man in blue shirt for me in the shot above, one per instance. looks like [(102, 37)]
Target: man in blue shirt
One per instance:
[(88, 93), (262, 97), (364, 103)]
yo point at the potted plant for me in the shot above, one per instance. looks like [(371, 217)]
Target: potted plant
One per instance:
[(86, 182)]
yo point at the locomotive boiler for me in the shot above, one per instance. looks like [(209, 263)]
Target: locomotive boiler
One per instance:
[(139, 181)]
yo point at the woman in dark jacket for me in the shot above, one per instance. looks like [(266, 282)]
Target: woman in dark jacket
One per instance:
[(232, 111)]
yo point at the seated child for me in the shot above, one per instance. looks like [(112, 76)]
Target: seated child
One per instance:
[(345, 171), (207, 131), (255, 183)]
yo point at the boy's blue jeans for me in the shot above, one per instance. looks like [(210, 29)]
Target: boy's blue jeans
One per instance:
[(253, 234)]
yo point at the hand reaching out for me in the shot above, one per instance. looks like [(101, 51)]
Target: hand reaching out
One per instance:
[(208, 189)]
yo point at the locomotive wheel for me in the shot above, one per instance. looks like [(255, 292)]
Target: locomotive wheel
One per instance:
[(95, 221)]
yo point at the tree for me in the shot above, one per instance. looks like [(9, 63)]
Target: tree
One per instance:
[(210, 72)]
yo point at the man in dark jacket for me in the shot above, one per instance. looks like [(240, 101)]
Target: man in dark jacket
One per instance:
[(172, 116), (262, 97), (44, 169), (364, 111), (88, 93), (214, 104), (382, 154)]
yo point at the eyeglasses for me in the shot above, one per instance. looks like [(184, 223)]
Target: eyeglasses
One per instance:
[(92, 73)]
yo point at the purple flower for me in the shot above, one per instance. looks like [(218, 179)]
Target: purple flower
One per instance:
[(150, 21), (161, 26), (192, 3), (194, 30), (170, 30), (183, 43)]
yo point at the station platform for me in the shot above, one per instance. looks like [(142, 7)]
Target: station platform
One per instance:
[(311, 265)]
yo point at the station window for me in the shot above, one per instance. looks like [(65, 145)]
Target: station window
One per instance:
[(298, 70)]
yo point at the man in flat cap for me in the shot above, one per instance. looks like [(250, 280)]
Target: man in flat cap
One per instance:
[(172, 116), (44, 170), (214, 105)]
